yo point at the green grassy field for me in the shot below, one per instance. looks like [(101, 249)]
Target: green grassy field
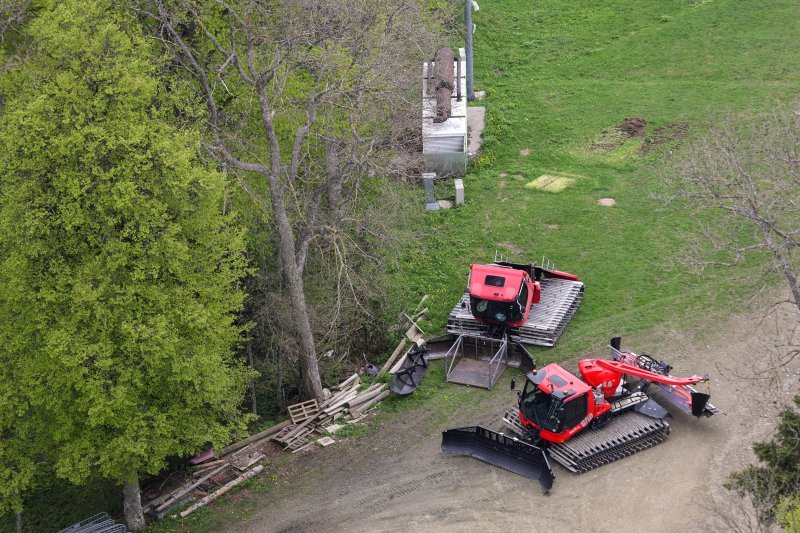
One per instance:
[(559, 77)]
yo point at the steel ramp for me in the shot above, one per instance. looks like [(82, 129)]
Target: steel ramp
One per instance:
[(473, 372), (546, 321), (497, 449), (480, 361)]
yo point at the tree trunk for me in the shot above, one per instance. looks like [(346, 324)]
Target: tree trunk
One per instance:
[(132, 503), (19, 521), (794, 284), (312, 384), (254, 403)]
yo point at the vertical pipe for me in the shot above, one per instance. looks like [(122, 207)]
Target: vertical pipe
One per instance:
[(458, 78), (429, 78), (468, 28)]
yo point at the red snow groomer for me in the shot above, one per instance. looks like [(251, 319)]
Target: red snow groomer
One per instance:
[(505, 305), (531, 303), (583, 422)]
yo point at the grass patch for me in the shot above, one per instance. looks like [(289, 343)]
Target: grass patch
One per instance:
[(354, 430), (549, 183)]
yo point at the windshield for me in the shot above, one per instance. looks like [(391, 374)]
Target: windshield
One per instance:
[(495, 311), (540, 407)]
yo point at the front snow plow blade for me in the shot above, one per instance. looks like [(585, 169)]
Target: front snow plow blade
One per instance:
[(500, 450)]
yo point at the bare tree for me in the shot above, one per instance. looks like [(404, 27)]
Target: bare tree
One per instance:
[(12, 15), (742, 181), (302, 96), (747, 173), (740, 512)]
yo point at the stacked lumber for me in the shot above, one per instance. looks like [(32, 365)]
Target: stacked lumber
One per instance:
[(309, 423), (210, 477), (212, 483), (347, 403)]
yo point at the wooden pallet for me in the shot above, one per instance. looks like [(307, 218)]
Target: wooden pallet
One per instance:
[(300, 412)]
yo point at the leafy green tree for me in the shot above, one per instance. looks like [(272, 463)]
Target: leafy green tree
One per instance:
[(777, 479), (118, 267), (789, 514)]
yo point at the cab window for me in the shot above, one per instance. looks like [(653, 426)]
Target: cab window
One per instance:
[(574, 412)]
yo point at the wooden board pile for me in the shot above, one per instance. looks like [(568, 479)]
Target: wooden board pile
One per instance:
[(210, 481), (239, 461), (311, 420)]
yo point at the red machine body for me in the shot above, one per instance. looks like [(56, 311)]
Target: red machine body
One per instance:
[(559, 405), (502, 294)]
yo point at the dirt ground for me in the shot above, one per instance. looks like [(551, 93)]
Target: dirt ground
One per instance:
[(396, 478)]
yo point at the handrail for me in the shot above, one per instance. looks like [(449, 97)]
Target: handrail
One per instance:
[(452, 354)]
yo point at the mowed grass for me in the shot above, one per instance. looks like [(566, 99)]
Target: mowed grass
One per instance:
[(560, 76)]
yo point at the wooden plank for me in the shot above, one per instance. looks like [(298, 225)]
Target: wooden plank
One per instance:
[(303, 447), (178, 495), (297, 430), (258, 436), (225, 488), (418, 315), (397, 351), (253, 459), (355, 402), (349, 381), (399, 364), (325, 441), (161, 498), (363, 407), (422, 301), (414, 333), (338, 396), (341, 402), (205, 466)]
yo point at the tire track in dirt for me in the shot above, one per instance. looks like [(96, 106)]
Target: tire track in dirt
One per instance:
[(333, 513)]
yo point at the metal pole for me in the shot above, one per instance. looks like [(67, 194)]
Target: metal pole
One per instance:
[(468, 28), (458, 78)]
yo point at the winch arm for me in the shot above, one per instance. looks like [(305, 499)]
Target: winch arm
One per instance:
[(629, 370)]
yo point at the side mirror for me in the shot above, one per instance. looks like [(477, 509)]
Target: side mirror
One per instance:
[(513, 384)]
